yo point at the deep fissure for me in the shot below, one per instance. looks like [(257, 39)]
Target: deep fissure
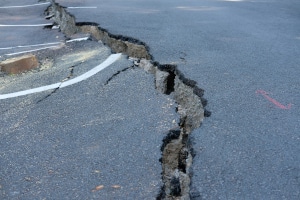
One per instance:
[(176, 148)]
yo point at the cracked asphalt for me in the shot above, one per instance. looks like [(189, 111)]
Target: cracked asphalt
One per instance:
[(84, 136), (97, 139), (249, 147)]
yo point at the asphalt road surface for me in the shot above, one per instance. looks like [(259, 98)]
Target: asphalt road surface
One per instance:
[(22, 27), (245, 54), (98, 138), (95, 135)]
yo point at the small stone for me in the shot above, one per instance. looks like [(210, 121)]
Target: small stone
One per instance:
[(99, 187), (116, 186), (19, 64)]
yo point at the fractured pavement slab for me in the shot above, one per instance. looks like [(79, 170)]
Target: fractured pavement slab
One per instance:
[(86, 135)]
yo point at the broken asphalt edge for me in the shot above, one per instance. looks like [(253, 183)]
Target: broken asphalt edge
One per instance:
[(177, 150)]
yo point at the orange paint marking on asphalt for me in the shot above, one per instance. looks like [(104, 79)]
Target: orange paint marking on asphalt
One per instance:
[(276, 103)]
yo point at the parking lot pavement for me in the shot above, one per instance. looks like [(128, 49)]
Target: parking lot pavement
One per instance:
[(22, 27), (69, 61), (96, 134), (245, 55), (89, 140)]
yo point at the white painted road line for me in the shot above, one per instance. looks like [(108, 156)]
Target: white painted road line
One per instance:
[(24, 25), (13, 54), (78, 39), (32, 45), (91, 7), (30, 91), (24, 6), (110, 60)]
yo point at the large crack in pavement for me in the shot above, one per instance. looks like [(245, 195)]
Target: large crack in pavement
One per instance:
[(177, 150), (56, 89)]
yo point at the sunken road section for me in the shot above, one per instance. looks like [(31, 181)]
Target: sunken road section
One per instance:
[(177, 151)]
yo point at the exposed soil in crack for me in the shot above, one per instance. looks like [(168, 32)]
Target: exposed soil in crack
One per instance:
[(177, 151)]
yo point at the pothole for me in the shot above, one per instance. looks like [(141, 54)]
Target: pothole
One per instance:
[(177, 151)]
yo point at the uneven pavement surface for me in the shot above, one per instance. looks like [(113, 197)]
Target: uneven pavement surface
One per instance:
[(245, 54), (85, 136), (99, 138), (102, 134)]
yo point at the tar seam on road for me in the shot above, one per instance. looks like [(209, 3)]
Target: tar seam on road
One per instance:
[(110, 60)]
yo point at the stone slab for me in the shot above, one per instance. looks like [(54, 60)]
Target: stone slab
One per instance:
[(19, 64)]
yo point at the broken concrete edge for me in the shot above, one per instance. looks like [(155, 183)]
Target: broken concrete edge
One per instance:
[(118, 43), (177, 151), (67, 21)]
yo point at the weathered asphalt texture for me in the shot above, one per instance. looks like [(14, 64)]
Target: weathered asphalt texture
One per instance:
[(20, 35), (97, 139), (249, 147), (70, 61), (93, 133)]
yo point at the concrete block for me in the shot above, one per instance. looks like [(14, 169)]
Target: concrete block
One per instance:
[(19, 64)]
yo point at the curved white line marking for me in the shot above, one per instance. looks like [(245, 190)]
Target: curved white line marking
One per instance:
[(23, 25), (24, 6), (110, 60)]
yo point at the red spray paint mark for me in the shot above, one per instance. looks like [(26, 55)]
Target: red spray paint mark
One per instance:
[(276, 103)]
